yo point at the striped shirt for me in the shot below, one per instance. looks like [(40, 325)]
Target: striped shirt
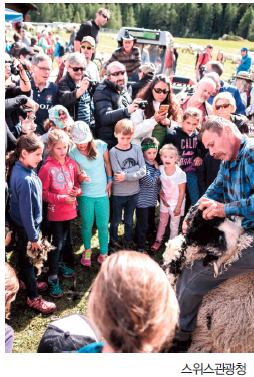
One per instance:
[(234, 185), (131, 61), (149, 187), (84, 107)]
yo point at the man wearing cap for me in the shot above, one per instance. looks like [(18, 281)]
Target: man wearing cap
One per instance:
[(244, 83), (146, 74), (128, 55), (217, 67), (204, 58), (26, 54), (92, 28), (88, 48), (245, 62)]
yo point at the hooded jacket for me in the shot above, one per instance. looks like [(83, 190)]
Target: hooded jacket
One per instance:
[(57, 180)]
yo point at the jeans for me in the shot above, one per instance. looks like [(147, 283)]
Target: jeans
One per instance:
[(26, 267), (128, 203), (193, 283), (192, 187), (145, 221), (60, 230), (45, 224)]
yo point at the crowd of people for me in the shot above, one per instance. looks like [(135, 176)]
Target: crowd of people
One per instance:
[(88, 142)]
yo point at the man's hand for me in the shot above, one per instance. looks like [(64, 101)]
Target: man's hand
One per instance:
[(213, 209), (198, 161), (119, 176), (185, 225), (83, 86), (134, 106), (27, 125)]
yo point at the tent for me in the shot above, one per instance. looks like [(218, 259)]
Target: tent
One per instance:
[(12, 16)]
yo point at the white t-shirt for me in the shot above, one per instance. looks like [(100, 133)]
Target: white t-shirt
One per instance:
[(170, 185), (92, 71)]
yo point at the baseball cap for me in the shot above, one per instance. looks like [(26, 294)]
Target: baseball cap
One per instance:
[(26, 51), (210, 45), (81, 133), (148, 68), (245, 49), (90, 40), (58, 114), (69, 333)]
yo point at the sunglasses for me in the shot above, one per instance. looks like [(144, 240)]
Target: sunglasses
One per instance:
[(76, 69), (159, 91), (87, 47), (117, 73), (206, 71), (224, 106), (104, 16)]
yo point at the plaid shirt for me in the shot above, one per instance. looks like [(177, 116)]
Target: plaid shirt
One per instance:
[(234, 184)]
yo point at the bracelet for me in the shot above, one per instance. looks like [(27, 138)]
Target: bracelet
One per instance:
[(110, 178), (7, 231)]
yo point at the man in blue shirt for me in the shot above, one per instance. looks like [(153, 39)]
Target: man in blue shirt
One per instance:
[(217, 67), (245, 62), (230, 195)]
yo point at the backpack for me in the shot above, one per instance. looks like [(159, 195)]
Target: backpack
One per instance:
[(61, 50), (198, 54)]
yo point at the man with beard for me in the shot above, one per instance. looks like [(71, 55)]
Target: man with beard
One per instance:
[(112, 103), (203, 90)]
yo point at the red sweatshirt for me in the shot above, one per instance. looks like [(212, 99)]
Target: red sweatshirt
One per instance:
[(57, 180)]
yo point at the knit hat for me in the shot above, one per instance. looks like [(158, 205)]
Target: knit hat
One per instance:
[(69, 333), (245, 76), (81, 133), (59, 115), (90, 40), (148, 68)]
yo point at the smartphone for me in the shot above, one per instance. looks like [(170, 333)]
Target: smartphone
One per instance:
[(163, 108), (26, 109)]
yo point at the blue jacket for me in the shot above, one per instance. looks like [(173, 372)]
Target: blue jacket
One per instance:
[(57, 49), (26, 199), (225, 87), (245, 64), (46, 98)]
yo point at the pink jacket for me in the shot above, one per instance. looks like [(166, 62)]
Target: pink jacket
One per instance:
[(57, 180)]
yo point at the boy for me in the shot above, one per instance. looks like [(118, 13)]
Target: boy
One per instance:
[(128, 166)]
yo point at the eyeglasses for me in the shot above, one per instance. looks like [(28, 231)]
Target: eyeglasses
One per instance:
[(117, 73), (206, 71), (223, 106), (159, 91), (87, 47), (45, 69), (104, 16), (76, 69)]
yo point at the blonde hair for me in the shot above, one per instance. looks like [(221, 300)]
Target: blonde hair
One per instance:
[(57, 136), (224, 95), (124, 126), (172, 148), (133, 305), (11, 288)]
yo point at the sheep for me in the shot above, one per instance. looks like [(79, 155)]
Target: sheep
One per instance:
[(197, 49), (226, 313), (185, 48), (228, 56)]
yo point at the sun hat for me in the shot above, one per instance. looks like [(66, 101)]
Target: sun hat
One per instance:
[(245, 76), (148, 68), (90, 40), (58, 118), (128, 37), (81, 133)]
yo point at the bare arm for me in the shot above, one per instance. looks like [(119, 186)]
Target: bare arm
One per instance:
[(182, 188), (108, 171), (76, 46)]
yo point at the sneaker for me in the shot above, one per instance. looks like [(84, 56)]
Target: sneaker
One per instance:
[(86, 258), (102, 258), (41, 305), (114, 247), (69, 256), (65, 271), (41, 286), (156, 246), (127, 245), (55, 290), (142, 251)]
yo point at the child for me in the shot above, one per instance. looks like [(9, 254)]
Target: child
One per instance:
[(26, 212), (185, 139), (92, 157), (147, 196), (173, 182), (133, 306), (11, 289), (128, 166), (60, 189)]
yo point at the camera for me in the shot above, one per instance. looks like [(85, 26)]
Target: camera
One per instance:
[(201, 68), (142, 105), (15, 71), (93, 83)]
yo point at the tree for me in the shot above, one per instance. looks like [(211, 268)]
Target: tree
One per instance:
[(245, 22), (206, 20), (217, 21), (70, 12), (77, 19), (230, 16), (130, 20)]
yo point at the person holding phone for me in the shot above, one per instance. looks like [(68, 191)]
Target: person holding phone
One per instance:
[(161, 112)]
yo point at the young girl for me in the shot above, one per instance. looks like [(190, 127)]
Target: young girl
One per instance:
[(92, 157), (220, 57), (147, 196), (26, 212), (133, 306), (60, 189), (173, 182), (185, 139)]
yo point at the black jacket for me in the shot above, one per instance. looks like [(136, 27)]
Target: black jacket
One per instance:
[(88, 28), (67, 95), (207, 173), (109, 108), (135, 88), (240, 122)]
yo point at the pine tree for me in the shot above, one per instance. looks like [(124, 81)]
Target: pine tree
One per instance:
[(245, 22), (82, 14), (251, 32), (218, 20), (230, 17), (118, 17), (46, 13), (77, 18), (130, 21), (70, 12)]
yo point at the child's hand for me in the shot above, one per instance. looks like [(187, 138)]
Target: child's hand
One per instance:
[(37, 245), (119, 176), (177, 211), (198, 161), (108, 188), (74, 192), (83, 177), (8, 238), (162, 196), (156, 164), (69, 199)]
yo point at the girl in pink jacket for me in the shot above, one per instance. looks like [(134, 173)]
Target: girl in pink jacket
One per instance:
[(60, 189)]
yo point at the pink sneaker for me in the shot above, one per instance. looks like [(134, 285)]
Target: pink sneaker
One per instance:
[(41, 286), (102, 258), (86, 258), (156, 246)]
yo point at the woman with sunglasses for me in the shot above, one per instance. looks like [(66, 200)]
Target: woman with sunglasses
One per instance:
[(224, 106), (150, 121)]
